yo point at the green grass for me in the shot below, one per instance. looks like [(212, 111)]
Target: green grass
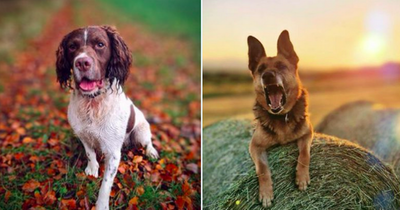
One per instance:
[(20, 21), (180, 18)]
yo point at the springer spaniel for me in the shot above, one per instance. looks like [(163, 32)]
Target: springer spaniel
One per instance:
[(99, 112)]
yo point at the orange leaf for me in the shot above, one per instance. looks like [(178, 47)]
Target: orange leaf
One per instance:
[(27, 140), (137, 159), (140, 190), (30, 186), (69, 203), (188, 200), (80, 193), (128, 180), (38, 197), (186, 189), (7, 196), (134, 201), (50, 197), (34, 158), (112, 193), (52, 142), (121, 169), (172, 168), (180, 203), (18, 156), (21, 131)]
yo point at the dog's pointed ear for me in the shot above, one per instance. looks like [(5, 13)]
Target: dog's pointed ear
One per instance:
[(121, 57), (63, 67), (256, 52), (286, 49)]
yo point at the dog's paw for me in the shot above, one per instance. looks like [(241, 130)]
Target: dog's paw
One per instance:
[(266, 196), (302, 178), (151, 152), (92, 169)]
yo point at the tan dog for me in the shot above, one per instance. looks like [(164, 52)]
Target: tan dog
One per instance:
[(280, 110)]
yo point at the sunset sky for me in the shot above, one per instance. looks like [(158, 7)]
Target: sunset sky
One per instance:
[(326, 34)]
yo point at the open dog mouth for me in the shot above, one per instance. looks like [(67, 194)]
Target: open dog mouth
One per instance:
[(275, 96), (88, 85)]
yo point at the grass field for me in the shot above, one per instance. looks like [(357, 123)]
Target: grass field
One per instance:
[(231, 96), (42, 162), (172, 18)]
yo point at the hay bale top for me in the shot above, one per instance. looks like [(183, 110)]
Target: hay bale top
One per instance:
[(343, 174), (369, 124)]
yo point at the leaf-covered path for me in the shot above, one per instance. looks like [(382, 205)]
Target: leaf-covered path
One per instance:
[(42, 162)]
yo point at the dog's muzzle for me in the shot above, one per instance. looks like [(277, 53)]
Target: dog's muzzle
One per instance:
[(274, 91)]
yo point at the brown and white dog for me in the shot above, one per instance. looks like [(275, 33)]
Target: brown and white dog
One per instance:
[(280, 110), (99, 112)]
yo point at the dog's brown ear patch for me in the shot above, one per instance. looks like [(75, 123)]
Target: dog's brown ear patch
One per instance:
[(286, 49), (63, 67), (256, 52)]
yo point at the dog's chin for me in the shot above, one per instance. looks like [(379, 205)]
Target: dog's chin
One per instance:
[(276, 111), (275, 97)]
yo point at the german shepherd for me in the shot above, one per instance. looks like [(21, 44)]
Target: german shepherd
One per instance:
[(280, 110)]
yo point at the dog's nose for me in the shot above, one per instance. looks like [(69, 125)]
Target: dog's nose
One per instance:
[(83, 64), (268, 76)]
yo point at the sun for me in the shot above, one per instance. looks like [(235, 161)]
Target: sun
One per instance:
[(373, 44)]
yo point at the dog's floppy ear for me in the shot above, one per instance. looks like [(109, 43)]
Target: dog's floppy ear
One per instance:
[(121, 58), (256, 52), (63, 67), (286, 49)]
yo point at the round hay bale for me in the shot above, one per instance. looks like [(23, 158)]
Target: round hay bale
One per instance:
[(370, 125), (343, 175)]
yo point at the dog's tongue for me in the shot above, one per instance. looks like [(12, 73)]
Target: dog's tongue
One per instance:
[(275, 99), (88, 85)]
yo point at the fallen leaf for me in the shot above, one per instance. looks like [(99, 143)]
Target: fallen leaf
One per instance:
[(140, 190), (192, 167), (180, 203), (68, 203), (27, 140), (7, 196), (134, 201), (137, 159), (30, 185)]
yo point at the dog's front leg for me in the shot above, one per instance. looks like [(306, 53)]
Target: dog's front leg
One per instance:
[(303, 162), (93, 166), (259, 156), (111, 166)]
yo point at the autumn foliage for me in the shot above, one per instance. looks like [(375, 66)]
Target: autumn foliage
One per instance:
[(41, 161)]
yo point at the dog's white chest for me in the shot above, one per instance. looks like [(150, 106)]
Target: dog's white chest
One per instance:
[(96, 121)]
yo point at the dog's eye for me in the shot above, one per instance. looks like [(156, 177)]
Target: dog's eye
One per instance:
[(281, 66), (72, 47), (100, 45), (262, 67)]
